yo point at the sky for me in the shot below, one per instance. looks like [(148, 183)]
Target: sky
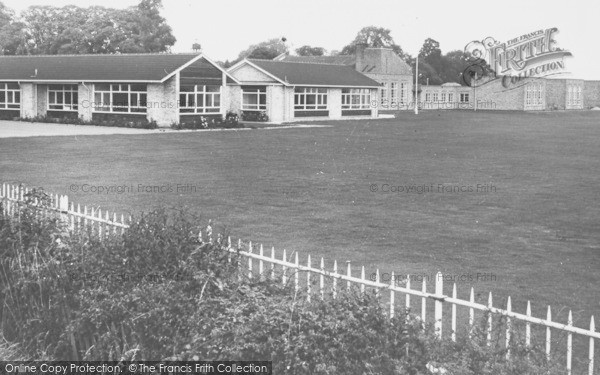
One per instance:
[(226, 27)]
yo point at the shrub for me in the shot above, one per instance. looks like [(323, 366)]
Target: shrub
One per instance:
[(159, 291), (113, 121), (255, 116)]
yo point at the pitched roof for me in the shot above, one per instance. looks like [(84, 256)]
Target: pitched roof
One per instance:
[(336, 60), (307, 74), (121, 67)]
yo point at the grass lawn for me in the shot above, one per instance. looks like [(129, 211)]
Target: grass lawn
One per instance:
[(310, 190)]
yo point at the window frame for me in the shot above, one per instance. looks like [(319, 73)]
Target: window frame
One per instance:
[(195, 109), (73, 103), (464, 97), (139, 109), (321, 102), (258, 93), (356, 98), (14, 93)]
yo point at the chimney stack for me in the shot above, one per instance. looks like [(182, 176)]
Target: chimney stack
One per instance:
[(359, 55)]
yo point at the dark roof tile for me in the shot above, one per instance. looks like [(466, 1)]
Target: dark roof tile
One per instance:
[(123, 67), (306, 74)]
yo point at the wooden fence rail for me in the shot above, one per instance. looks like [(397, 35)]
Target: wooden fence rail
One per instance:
[(330, 282)]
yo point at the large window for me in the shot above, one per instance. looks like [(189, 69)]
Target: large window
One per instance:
[(254, 98), (62, 97), (10, 96), (127, 98), (310, 99), (383, 96), (450, 97), (574, 96), (394, 93), (356, 98), (403, 92), (199, 99), (464, 98)]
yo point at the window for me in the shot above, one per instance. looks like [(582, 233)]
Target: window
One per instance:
[(199, 99), (125, 98), (394, 93), (529, 95), (435, 96), (443, 97), (254, 98), (403, 92), (464, 98), (574, 96), (578, 96), (450, 97), (356, 98), (427, 97), (62, 97), (310, 99), (383, 95), (10, 96)]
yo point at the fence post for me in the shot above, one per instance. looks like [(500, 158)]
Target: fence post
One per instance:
[(454, 295), (489, 322), (508, 327), (439, 291), (63, 206), (548, 334), (471, 312), (309, 266), (591, 357), (392, 295), (528, 326), (569, 343)]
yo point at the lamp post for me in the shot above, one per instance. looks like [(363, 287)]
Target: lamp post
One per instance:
[(417, 86)]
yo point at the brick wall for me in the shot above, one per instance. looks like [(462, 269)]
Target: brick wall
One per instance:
[(163, 106), (28, 100), (85, 101), (276, 103), (556, 94), (495, 95), (334, 101), (42, 100), (591, 94)]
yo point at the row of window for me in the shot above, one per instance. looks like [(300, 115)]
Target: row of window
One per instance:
[(254, 98), (574, 96), (444, 97), (533, 94), (393, 93)]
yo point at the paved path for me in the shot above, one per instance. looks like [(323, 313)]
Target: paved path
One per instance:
[(17, 129), (10, 129)]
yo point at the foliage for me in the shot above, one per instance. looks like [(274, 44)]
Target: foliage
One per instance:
[(113, 121), (76, 30), (161, 291), (310, 51), (255, 116), (231, 121), (373, 36), (269, 49)]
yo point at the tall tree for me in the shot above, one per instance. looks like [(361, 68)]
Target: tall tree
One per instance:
[(310, 51), (268, 49), (373, 36), (72, 29), (12, 36)]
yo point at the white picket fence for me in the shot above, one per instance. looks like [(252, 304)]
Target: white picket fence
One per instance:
[(330, 282)]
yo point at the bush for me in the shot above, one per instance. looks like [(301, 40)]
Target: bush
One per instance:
[(159, 291), (255, 116), (230, 122), (114, 121)]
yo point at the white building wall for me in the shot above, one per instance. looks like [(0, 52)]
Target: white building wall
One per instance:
[(334, 102), (163, 102), (28, 100), (85, 100)]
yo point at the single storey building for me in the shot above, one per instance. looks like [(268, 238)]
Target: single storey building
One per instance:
[(300, 91), (166, 88)]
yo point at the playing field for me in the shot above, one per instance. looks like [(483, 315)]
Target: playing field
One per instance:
[(505, 202)]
